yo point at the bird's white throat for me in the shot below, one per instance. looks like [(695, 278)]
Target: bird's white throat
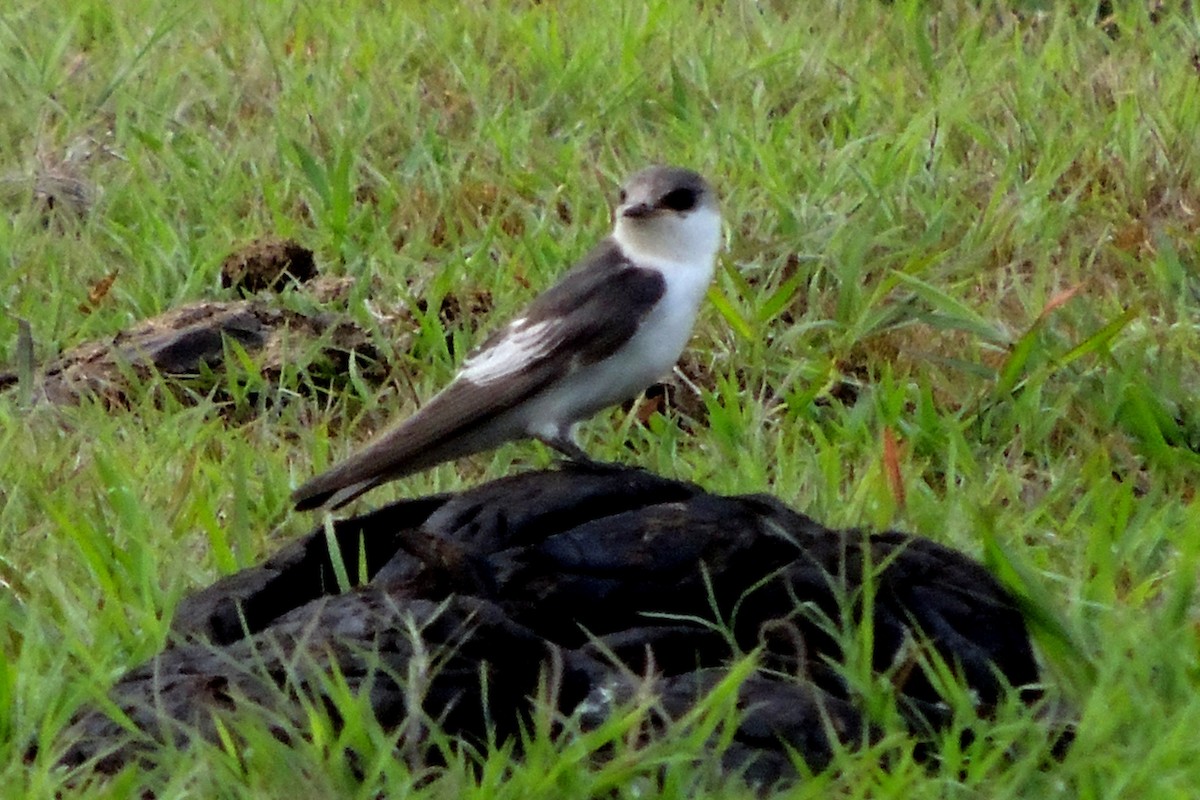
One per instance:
[(689, 240)]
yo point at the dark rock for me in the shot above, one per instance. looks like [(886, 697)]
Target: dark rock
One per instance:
[(610, 580)]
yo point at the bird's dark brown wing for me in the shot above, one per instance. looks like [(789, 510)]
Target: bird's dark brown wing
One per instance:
[(589, 314), (592, 310)]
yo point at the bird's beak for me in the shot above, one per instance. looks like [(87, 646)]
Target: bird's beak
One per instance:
[(637, 210)]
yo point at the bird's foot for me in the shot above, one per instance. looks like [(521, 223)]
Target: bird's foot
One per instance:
[(588, 464), (574, 457)]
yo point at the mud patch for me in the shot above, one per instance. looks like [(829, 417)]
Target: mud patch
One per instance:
[(267, 264)]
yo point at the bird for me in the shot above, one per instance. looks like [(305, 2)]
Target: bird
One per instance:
[(609, 328)]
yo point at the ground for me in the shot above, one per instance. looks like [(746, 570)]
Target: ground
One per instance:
[(960, 295)]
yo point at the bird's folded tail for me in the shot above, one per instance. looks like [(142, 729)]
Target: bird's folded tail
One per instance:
[(418, 444), (308, 497), (400, 452)]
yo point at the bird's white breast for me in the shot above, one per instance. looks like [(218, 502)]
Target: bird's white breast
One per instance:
[(646, 357), (682, 249)]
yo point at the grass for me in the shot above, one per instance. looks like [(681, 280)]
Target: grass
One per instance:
[(973, 228)]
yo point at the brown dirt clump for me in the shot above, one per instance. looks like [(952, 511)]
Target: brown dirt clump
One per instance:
[(267, 264)]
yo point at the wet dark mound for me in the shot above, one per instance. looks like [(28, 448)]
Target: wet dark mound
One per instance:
[(585, 588)]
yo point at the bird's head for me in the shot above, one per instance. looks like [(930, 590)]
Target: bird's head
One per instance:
[(668, 213)]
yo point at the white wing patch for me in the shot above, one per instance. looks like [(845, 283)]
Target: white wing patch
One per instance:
[(518, 347)]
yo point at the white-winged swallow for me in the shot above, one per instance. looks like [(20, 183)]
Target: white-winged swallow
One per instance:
[(611, 327)]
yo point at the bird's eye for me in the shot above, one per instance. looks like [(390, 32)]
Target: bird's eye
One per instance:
[(621, 197), (679, 200)]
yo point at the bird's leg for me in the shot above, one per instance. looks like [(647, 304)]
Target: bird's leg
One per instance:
[(564, 444)]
